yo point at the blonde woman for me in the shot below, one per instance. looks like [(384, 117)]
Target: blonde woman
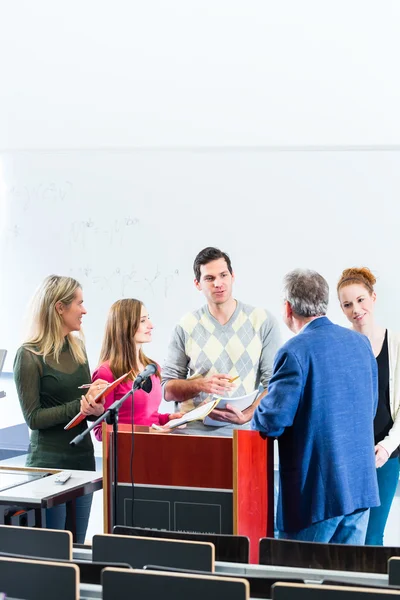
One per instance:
[(48, 369), (357, 298), (128, 328)]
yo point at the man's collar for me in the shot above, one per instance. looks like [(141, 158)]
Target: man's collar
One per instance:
[(308, 322)]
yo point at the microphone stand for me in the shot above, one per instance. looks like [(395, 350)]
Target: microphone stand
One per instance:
[(111, 417)]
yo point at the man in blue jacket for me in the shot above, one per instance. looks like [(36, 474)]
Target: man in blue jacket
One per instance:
[(321, 403)]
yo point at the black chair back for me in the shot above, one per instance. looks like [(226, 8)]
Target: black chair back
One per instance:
[(294, 591), (38, 579), (41, 543), (120, 585), (338, 557), (140, 551), (228, 548), (394, 571)]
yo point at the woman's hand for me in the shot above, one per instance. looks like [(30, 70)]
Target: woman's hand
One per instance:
[(381, 456), (177, 415), (167, 428), (95, 389), (88, 405), (94, 408)]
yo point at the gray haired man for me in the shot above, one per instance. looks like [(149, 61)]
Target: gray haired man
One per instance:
[(321, 402)]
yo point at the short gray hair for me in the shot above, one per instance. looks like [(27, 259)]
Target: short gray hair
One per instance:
[(307, 292)]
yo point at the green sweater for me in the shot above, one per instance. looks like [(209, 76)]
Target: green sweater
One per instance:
[(49, 397)]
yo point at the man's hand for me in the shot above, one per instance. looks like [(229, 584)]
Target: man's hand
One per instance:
[(218, 384), (381, 456), (231, 414), (181, 390)]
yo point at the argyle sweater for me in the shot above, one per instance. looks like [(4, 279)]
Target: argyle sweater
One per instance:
[(245, 347)]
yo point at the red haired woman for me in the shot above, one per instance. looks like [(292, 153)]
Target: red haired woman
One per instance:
[(357, 298)]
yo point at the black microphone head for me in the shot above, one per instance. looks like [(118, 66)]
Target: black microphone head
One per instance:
[(151, 368), (147, 385), (148, 372)]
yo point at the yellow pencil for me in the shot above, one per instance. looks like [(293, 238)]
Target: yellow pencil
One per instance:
[(197, 375)]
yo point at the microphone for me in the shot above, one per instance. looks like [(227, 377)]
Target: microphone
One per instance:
[(141, 378), (147, 386)]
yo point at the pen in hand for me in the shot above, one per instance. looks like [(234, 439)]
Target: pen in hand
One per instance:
[(200, 375), (86, 386)]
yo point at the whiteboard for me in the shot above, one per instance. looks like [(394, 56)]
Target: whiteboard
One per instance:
[(129, 223)]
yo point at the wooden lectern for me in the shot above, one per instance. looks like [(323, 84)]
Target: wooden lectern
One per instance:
[(232, 476)]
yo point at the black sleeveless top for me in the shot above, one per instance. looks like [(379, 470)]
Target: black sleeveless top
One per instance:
[(383, 421)]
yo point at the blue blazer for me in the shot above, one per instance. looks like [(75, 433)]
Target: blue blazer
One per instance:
[(321, 402)]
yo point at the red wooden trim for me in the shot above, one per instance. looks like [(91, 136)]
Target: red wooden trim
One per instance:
[(253, 507), (173, 459), (270, 487)]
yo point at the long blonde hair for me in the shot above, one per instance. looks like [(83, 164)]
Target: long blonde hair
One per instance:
[(119, 347), (46, 336)]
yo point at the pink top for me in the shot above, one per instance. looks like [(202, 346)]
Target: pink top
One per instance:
[(145, 405)]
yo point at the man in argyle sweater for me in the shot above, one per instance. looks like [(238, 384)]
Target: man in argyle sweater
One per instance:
[(222, 340)]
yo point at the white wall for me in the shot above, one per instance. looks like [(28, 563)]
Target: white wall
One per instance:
[(95, 73)]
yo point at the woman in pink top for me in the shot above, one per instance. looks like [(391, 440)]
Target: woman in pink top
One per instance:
[(128, 328)]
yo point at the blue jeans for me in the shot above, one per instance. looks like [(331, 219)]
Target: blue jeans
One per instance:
[(59, 517), (347, 529), (388, 477)]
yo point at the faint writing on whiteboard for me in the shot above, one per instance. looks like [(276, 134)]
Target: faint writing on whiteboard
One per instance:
[(128, 282), (14, 231), (41, 193), (88, 231), (169, 281)]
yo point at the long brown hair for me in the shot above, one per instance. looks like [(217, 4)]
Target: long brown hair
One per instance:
[(46, 336), (119, 347)]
